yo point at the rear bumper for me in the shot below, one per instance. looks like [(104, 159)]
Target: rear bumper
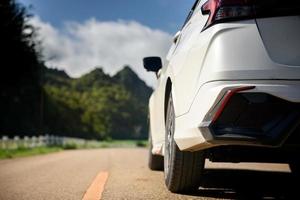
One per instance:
[(265, 115)]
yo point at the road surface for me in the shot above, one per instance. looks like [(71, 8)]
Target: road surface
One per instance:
[(70, 174)]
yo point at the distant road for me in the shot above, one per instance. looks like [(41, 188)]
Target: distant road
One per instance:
[(69, 174)]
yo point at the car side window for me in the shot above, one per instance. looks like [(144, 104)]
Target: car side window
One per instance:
[(191, 13)]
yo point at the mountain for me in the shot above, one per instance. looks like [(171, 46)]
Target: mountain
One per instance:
[(96, 105), (55, 73), (55, 76), (95, 78), (130, 80)]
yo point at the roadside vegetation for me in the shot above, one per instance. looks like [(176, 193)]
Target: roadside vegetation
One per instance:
[(36, 100), (96, 105), (26, 151), (23, 152)]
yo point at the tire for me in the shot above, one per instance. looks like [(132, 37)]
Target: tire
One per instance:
[(155, 162), (182, 170)]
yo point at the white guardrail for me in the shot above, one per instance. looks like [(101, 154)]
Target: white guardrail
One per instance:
[(32, 142)]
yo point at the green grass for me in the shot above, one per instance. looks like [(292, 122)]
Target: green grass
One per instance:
[(23, 152), (122, 144), (107, 144)]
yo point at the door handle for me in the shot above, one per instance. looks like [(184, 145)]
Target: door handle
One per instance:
[(176, 37)]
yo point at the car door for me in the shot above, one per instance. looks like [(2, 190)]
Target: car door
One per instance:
[(182, 35), (186, 57), (157, 100)]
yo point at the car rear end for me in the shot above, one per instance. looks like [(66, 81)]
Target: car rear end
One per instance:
[(248, 92)]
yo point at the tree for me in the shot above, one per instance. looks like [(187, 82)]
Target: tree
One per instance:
[(96, 105), (20, 87)]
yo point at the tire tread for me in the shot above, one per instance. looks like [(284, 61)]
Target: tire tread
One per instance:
[(186, 168)]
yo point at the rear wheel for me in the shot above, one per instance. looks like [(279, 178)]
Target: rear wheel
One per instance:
[(155, 162), (182, 169)]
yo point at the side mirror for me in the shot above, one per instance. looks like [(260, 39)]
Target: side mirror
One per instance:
[(152, 64)]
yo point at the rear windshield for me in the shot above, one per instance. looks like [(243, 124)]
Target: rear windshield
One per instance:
[(265, 8)]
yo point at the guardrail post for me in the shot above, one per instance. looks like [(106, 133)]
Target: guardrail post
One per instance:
[(16, 142), (4, 143), (41, 141), (26, 142)]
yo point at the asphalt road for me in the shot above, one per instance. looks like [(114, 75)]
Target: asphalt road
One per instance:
[(69, 174)]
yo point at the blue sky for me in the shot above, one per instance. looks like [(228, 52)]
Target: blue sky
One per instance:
[(80, 35), (167, 15)]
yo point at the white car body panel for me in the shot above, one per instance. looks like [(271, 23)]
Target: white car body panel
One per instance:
[(281, 38), (187, 134), (156, 114), (202, 64)]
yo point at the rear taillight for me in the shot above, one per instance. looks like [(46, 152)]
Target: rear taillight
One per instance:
[(225, 10)]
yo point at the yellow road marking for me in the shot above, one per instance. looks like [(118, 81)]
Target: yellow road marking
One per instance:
[(94, 192)]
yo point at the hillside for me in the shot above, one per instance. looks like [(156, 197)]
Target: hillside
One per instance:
[(96, 105), (133, 83)]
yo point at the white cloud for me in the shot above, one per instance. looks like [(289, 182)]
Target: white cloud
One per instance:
[(79, 47)]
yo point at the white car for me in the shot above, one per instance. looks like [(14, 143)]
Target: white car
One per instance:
[(229, 90)]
